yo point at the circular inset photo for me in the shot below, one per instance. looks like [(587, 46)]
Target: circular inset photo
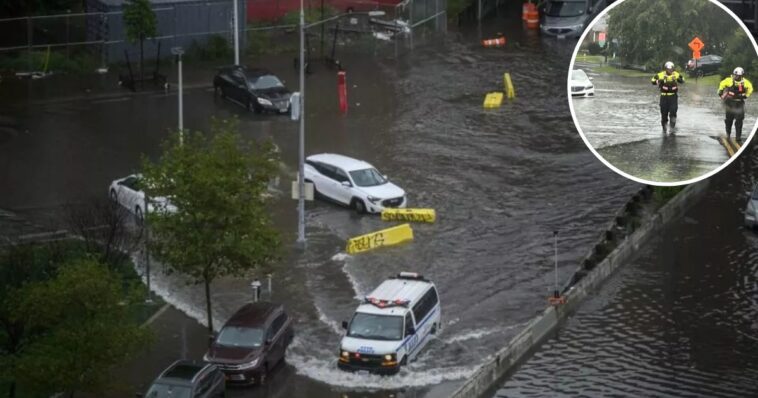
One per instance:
[(661, 90)]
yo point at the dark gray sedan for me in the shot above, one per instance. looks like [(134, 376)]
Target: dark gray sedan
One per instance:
[(258, 90)]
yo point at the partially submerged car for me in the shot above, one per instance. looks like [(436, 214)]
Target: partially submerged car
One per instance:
[(353, 183), (128, 193), (256, 89), (188, 379), (581, 84), (569, 18), (252, 342)]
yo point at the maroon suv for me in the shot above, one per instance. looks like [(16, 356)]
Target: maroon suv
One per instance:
[(251, 343)]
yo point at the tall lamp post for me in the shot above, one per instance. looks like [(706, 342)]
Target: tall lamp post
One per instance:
[(236, 33), (178, 52), (301, 174)]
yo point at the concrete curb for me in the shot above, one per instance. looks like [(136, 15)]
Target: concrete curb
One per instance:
[(536, 331)]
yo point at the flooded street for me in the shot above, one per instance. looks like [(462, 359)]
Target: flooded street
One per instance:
[(501, 181), (678, 321), (622, 122)]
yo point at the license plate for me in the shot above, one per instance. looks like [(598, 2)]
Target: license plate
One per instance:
[(561, 36)]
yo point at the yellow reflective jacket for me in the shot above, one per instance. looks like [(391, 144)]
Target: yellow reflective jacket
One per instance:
[(667, 83), (735, 90)]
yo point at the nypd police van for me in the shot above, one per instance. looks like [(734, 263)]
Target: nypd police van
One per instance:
[(391, 326)]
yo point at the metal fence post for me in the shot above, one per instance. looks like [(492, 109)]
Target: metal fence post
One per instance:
[(29, 43)]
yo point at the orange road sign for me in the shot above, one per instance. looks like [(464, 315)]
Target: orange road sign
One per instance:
[(696, 44), (696, 54)]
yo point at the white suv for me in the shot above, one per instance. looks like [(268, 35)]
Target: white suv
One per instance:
[(352, 182)]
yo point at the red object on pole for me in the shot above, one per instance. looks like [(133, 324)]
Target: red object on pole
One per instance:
[(342, 90), (696, 54)]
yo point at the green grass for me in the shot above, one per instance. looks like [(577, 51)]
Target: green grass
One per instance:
[(712, 80), (622, 72), (661, 195), (591, 59)]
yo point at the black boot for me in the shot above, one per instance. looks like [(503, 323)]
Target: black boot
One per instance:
[(672, 123), (738, 130), (663, 126), (728, 125)]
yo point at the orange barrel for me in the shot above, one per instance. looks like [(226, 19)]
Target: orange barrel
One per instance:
[(533, 19), (498, 42), (526, 8)]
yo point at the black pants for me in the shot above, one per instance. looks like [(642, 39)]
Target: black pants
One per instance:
[(735, 112), (669, 106)]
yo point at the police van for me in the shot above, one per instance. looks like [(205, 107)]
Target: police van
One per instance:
[(391, 326)]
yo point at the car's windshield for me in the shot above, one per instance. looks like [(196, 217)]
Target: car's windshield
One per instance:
[(367, 177), (376, 327), (237, 336), (755, 193), (578, 75), (168, 391), (565, 8), (265, 82)]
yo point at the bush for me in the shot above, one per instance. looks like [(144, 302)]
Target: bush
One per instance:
[(595, 49), (59, 62), (216, 47), (661, 195)]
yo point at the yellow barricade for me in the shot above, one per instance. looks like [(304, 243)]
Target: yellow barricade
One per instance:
[(736, 145), (726, 145), (509, 90), (409, 215), (386, 237), (493, 100)]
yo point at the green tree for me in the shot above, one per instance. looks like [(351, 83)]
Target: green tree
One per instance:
[(740, 52), (140, 23), (20, 265), (651, 32), (82, 327), (218, 182)]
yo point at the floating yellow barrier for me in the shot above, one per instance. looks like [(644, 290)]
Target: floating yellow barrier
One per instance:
[(736, 145), (509, 90), (493, 100), (386, 237), (409, 215), (725, 143)]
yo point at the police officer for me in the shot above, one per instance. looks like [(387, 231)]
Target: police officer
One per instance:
[(734, 91), (667, 82)]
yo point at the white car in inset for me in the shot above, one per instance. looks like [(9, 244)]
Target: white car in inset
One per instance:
[(581, 84), (353, 183), (128, 193)]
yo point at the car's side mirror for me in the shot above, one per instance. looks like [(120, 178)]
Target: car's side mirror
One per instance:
[(344, 325), (411, 331), (269, 341), (346, 184), (385, 177)]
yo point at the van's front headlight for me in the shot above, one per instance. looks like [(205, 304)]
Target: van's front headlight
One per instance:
[(248, 365), (373, 199), (389, 357)]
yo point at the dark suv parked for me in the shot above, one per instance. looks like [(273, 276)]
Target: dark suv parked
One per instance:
[(188, 379), (252, 342), (257, 90), (706, 65)]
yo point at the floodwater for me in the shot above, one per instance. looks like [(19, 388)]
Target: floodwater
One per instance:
[(679, 321), (622, 122), (501, 181)]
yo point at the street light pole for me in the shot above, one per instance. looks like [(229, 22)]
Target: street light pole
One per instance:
[(178, 51), (236, 34), (301, 174)]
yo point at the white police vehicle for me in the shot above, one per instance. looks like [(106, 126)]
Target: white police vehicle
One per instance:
[(391, 326)]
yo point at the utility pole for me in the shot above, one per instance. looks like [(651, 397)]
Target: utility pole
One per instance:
[(146, 231), (301, 174), (556, 293), (236, 33), (178, 52)]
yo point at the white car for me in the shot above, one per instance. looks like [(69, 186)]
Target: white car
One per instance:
[(581, 84), (127, 192), (391, 326), (353, 183)]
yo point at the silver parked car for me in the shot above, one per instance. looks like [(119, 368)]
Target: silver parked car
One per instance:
[(751, 211), (569, 18)]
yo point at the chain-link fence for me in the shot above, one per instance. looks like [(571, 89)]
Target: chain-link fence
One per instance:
[(84, 42)]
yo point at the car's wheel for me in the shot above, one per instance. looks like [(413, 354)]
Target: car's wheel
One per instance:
[(263, 377), (138, 215), (359, 206), (700, 73), (217, 91)]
